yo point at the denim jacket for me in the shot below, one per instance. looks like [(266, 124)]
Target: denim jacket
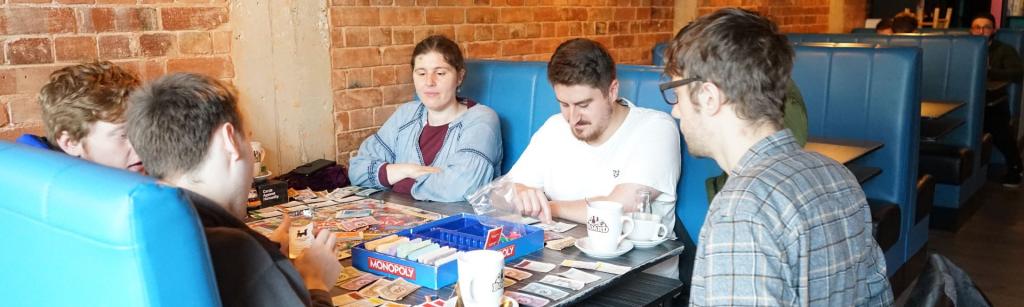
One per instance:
[(469, 159)]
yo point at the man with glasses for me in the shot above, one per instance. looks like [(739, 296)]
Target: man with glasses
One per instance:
[(789, 227), (601, 146), (1003, 65)]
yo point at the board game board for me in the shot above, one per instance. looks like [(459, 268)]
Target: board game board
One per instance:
[(390, 218)]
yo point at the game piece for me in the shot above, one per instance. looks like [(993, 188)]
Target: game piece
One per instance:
[(535, 266), (563, 282), (575, 274), (545, 291), (517, 274), (347, 298), (526, 299), (359, 282), (397, 290)]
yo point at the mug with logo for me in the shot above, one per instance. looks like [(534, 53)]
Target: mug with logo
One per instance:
[(481, 277), (605, 225)]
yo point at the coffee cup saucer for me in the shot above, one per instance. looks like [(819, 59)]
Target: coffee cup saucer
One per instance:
[(505, 299), (262, 176), (584, 246), (646, 243)]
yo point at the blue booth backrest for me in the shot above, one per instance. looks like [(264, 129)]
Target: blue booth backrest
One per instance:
[(1014, 38), (867, 94), (658, 54), (952, 69), (950, 31), (80, 234), (521, 95)]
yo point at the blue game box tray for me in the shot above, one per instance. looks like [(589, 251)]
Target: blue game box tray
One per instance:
[(463, 232)]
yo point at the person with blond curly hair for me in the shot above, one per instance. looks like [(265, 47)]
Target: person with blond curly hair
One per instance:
[(83, 113)]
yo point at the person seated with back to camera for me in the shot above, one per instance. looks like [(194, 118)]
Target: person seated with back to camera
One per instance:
[(440, 147)]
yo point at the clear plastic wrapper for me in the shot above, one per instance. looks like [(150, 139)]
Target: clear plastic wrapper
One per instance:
[(494, 201)]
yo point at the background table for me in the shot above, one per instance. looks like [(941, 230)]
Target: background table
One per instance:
[(637, 259), (936, 109), (846, 151)]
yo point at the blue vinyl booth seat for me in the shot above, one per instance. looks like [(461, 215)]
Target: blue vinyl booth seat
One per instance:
[(521, 95), (953, 69), (867, 93), (80, 234)]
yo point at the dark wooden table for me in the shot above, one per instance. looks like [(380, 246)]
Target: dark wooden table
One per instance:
[(932, 109), (637, 259), (845, 152)]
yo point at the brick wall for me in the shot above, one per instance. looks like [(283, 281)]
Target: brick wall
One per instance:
[(372, 43), (150, 37), (808, 16)]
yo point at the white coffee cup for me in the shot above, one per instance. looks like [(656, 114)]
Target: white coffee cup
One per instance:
[(481, 277), (647, 227), (605, 225)]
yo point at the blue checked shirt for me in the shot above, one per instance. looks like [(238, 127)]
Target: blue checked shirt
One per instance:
[(789, 228)]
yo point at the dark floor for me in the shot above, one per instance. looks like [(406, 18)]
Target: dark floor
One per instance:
[(990, 246)]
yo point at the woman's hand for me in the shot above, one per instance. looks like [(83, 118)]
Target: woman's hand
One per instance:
[(397, 172)]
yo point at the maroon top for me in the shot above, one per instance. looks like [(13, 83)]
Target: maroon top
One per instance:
[(431, 141)]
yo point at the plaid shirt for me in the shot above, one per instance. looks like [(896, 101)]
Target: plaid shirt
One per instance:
[(789, 228)]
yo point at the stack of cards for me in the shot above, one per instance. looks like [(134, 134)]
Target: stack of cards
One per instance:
[(420, 250), (560, 244), (535, 266)]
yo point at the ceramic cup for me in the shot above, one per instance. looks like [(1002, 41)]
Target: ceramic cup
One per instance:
[(647, 227), (481, 277), (605, 225)]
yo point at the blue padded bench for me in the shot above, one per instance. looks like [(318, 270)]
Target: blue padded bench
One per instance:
[(80, 234), (953, 69), (521, 95), (950, 31), (867, 93)]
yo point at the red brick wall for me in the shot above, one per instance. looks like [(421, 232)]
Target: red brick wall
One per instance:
[(372, 43), (808, 16), (150, 37), (855, 13)]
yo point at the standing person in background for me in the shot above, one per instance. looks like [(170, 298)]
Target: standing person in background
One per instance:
[(1003, 65), (440, 147)]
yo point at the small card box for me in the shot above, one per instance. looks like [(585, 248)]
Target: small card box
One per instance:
[(464, 232)]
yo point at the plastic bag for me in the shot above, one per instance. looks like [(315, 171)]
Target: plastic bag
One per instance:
[(495, 201)]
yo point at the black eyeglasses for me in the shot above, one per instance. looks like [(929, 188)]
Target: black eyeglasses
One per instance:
[(668, 91)]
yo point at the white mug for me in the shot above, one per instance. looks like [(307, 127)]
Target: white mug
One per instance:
[(647, 227), (481, 277), (605, 225)]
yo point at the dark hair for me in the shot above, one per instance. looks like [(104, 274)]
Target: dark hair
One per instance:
[(581, 61), (171, 121), (985, 15), (743, 54), (885, 23), (442, 45), (904, 24), (80, 95)]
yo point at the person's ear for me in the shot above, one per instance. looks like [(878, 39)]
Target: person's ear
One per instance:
[(232, 141), (711, 98), (613, 90), (70, 146)]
